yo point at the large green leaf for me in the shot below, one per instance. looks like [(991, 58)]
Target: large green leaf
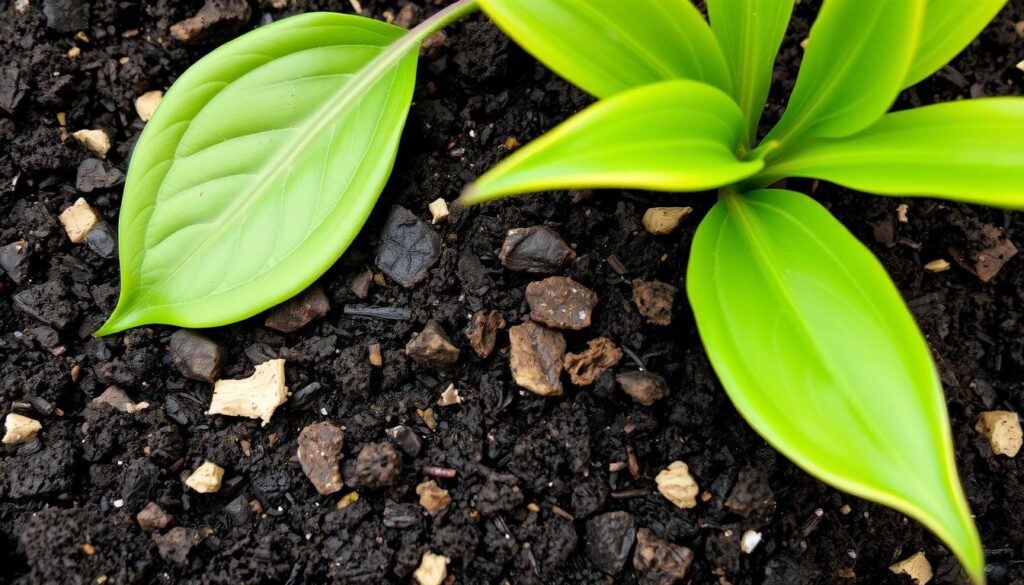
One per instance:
[(668, 136), (259, 167), (949, 26), (818, 352), (750, 32), (969, 151), (608, 46), (858, 54)]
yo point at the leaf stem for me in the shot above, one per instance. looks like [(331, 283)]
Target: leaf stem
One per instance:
[(441, 19)]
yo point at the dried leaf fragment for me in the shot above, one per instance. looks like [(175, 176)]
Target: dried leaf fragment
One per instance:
[(20, 429), (1002, 428), (257, 396), (677, 485), (206, 478)]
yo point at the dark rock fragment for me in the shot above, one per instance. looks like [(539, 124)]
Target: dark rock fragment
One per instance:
[(660, 562), (483, 331), (102, 240), (537, 249), (176, 545), (66, 16), (45, 473), (298, 311), (153, 518), (216, 21), (654, 300), (723, 549), (140, 479), (195, 356), (14, 260), (610, 538), (561, 302), (432, 348), (320, 450), (751, 497), (12, 88), (360, 283), (406, 439), (643, 387), (536, 358), (408, 248), (48, 303), (584, 368), (239, 511), (95, 174), (377, 466), (166, 445)]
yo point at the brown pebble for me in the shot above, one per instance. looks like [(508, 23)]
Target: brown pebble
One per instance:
[(561, 302), (320, 450), (433, 498), (195, 356), (175, 546), (376, 358), (153, 518), (643, 387), (654, 300), (78, 220), (483, 331), (584, 368), (536, 249), (119, 400), (432, 348), (298, 311), (360, 283), (536, 358), (660, 562), (377, 466)]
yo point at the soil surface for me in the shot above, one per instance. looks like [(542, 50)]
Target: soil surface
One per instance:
[(542, 489)]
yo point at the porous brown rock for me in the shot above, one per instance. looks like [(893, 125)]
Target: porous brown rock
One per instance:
[(536, 358), (658, 561), (677, 485), (584, 368), (537, 249), (176, 545), (298, 311), (433, 498), (643, 387), (153, 518), (377, 466), (483, 331), (319, 453), (561, 302), (432, 348), (654, 300)]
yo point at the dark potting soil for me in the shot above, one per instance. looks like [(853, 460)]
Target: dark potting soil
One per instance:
[(533, 488)]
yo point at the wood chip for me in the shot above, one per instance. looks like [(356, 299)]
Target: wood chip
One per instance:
[(450, 396), (146, 104), (939, 265), (916, 567), (1002, 428), (95, 140), (433, 569), (661, 221), (257, 396), (376, 359), (206, 478), (78, 220), (20, 429), (438, 210), (677, 485)]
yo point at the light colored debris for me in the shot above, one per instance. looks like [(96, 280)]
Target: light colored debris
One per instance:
[(146, 104), (118, 399), (257, 396), (511, 143), (20, 429), (438, 210), (450, 396), (78, 220), (803, 44), (1020, 65), (433, 569), (432, 497), (901, 212), (661, 221), (95, 140), (1020, 28), (1002, 428), (20, 6), (749, 541), (376, 358), (940, 265), (677, 485), (916, 567), (206, 478), (74, 52)]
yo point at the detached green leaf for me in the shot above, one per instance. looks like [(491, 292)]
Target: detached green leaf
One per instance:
[(971, 151), (669, 136), (857, 57), (949, 26), (608, 46), (820, 355), (259, 167), (750, 33)]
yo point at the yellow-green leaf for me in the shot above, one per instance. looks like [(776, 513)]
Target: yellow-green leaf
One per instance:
[(669, 136), (949, 26), (820, 355)]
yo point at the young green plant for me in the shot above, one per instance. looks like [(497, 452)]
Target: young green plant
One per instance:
[(809, 336)]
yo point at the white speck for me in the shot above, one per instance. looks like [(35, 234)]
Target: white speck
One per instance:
[(749, 541), (118, 503), (323, 411), (472, 133), (119, 462), (280, 508), (308, 536)]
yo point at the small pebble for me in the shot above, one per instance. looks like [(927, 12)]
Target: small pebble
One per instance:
[(537, 249), (677, 485), (408, 248), (20, 429), (658, 561), (661, 221), (298, 311), (432, 348), (78, 220), (407, 439), (153, 518), (584, 368), (95, 174), (438, 211), (216, 21), (916, 567), (643, 387), (1002, 428), (749, 541), (433, 569), (195, 356), (536, 358), (206, 479), (433, 498), (939, 265), (95, 140), (561, 302), (117, 399), (319, 452), (482, 332), (610, 538), (177, 544), (377, 466), (147, 103), (654, 300)]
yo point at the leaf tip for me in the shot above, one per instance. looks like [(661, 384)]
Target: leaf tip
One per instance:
[(470, 195)]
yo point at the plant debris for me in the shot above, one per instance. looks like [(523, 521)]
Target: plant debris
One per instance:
[(677, 485), (536, 358), (257, 396), (584, 368), (560, 302)]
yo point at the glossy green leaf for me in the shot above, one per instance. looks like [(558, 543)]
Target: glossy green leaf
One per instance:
[(820, 355), (970, 151), (608, 46), (668, 136), (259, 167), (858, 54), (750, 33), (949, 26)]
